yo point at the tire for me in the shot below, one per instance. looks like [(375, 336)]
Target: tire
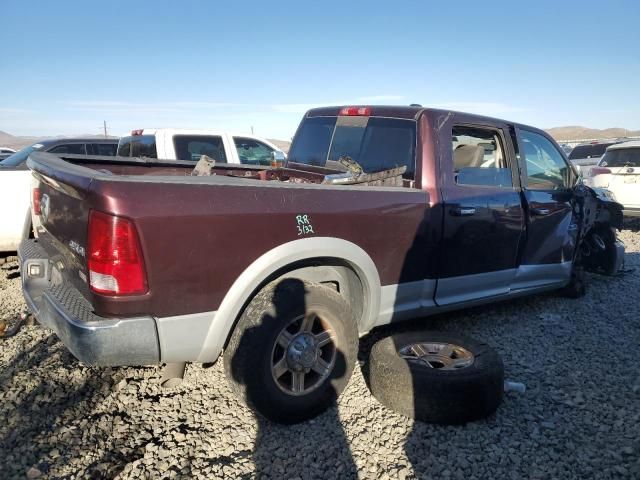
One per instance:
[(577, 286), (259, 340), (450, 396)]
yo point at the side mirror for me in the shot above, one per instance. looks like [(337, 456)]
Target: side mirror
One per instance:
[(278, 158)]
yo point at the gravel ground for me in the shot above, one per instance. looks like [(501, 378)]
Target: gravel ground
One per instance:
[(579, 418)]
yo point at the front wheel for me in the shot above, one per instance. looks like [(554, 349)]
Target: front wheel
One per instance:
[(292, 351)]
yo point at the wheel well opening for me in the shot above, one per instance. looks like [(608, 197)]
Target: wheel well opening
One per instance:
[(334, 273)]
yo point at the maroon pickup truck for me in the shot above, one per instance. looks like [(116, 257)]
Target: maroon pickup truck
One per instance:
[(380, 214)]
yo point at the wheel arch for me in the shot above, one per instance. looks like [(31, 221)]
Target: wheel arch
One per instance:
[(316, 259)]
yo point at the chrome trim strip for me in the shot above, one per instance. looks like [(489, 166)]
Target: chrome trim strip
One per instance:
[(531, 276), (406, 300), (471, 287), (415, 299)]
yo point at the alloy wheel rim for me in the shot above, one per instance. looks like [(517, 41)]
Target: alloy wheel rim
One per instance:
[(437, 355), (303, 355)]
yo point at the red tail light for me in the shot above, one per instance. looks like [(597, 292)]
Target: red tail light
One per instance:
[(35, 201), (599, 171), (355, 112), (116, 266)]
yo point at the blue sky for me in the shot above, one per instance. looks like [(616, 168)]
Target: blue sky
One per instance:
[(66, 66)]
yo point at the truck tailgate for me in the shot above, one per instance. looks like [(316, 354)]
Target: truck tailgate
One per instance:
[(64, 206)]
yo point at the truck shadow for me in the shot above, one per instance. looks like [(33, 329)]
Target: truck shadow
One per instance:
[(316, 448)]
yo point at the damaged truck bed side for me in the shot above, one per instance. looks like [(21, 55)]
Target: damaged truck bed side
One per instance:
[(379, 215)]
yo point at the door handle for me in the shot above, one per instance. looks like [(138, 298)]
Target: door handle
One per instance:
[(540, 211), (462, 211)]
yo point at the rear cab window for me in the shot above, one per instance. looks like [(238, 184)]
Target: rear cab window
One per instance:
[(138, 146), (375, 143), (621, 157), (192, 147)]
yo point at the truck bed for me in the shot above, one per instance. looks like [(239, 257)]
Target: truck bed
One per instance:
[(202, 232)]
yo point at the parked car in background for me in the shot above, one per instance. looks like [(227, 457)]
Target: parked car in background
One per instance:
[(566, 148), (619, 172), (5, 152), (586, 155), (380, 214), (15, 182), (190, 145)]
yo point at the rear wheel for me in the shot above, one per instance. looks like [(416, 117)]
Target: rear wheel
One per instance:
[(293, 350)]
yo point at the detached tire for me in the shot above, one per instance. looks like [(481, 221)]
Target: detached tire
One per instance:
[(293, 350), (442, 378)]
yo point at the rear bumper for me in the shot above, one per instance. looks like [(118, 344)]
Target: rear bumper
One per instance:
[(92, 339)]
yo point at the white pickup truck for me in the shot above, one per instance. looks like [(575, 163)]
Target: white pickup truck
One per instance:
[(186, 144)]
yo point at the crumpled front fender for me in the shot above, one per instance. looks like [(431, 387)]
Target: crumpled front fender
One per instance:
[(599, 216)]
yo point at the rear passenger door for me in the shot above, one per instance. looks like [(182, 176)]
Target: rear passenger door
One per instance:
[(483, 213), (551, 228)]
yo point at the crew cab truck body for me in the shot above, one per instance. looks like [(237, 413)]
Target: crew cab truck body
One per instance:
[(190, 144), (282, 268)]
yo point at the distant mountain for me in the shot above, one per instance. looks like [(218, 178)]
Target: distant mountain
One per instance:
[(8, 140), (281, 144), (583, 133)]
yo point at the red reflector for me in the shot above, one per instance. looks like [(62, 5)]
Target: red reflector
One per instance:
[(137, 132), (355, 112), (599, 171), (116, 266), (35, 200)]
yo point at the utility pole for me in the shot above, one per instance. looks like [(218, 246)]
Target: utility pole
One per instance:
[(251, 129), (104, 125)]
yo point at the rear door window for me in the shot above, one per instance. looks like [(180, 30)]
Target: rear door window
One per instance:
[(105, 149), (192, 147), (479, 157), (138, 146), (73, 148), (252, 152)]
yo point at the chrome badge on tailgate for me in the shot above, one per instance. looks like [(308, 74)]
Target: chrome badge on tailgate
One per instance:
[(76, 247), (44, 208)]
